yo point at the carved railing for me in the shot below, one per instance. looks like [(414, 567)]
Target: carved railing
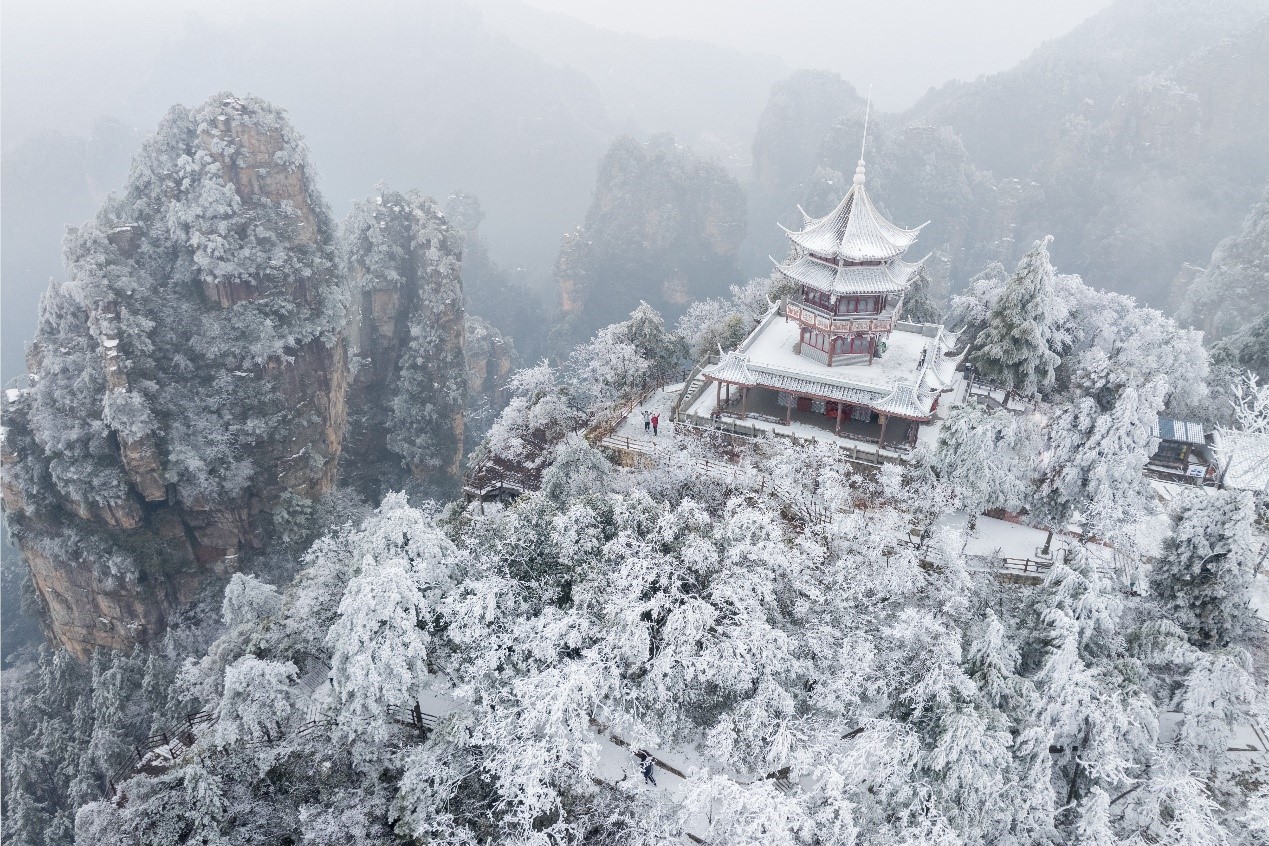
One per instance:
[(813, 319)]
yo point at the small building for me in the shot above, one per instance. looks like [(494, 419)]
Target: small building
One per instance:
[(836, 356), (1182, 449)]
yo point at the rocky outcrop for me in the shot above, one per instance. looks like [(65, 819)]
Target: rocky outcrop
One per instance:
[(491, 358), (664, 227), (187, 383), (405, 334)]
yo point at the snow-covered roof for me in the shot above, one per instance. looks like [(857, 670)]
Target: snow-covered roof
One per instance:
[(888, 278), (855, 230), (904, 402), (1167, 429), (904, 381), (1244, 459), (733, 368)]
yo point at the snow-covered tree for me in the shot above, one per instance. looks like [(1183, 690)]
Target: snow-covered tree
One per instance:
[(381, 640), (1204, 572), (1232, 291), (1251, 404), (543, 408), (918, 300), (1019, 347), (984, 457), (626, 358), (258, 701), (708, 325), (1099, 444), (1175, 808), (248, 600)]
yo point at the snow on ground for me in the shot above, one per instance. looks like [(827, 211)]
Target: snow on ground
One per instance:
[(659, 402), (771, 348), (998, 397), (1247, 741), (992, 538)]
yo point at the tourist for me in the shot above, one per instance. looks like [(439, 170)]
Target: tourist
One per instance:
[(656, 418), (646, 766), (647, 420)]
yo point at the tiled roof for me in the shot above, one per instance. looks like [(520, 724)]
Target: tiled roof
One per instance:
[(889, 278), (733, 368), (855, 230), (903, 401), (1184, 431)]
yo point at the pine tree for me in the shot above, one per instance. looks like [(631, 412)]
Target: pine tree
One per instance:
[(1098, 445), (918, 302), (1018, 349), (258, 702), (1204, 574), (979, 453)]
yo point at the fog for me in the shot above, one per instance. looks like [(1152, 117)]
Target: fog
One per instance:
[(517, 103), (331, 518), (896, 49)]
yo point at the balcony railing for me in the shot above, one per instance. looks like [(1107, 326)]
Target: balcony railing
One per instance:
[(813, 319)]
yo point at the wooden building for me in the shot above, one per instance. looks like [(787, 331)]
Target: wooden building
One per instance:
[(837, 355)]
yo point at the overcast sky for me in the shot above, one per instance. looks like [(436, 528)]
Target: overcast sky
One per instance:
[(67, 61), (900, 47)]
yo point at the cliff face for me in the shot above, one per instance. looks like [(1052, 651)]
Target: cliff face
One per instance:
[(187, 383), (664, 227), (491, 357), (406, 335)]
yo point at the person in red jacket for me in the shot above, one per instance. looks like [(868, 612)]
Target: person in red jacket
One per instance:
[(656, 418)]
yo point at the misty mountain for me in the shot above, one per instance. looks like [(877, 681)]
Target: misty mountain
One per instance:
[(1081, 74), (49, 181), (664, 226), (1135, 173), (709, 97)]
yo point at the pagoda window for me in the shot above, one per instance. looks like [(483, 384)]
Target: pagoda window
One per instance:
[(858, 305), (843, 345), (818, 299)]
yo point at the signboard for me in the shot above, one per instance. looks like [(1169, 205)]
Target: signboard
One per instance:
[(1198, 471)]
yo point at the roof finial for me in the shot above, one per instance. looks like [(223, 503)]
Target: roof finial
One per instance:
[(863, 144)]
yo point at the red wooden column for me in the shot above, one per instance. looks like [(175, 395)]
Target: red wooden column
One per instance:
[(718, 396), (788, 409), (882, 440)]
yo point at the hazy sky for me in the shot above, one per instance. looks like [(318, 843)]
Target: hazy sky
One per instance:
[(67, 61), (900, 48)]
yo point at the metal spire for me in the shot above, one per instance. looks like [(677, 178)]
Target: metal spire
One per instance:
[(863, 143)]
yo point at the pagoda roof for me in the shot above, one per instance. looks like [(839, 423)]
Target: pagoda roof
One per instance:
[(902, 383), (904, 402), (733, 368), (855, 230), (888, 278)]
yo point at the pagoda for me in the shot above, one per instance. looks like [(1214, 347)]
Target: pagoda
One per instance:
[(835, 356), (850, 275)]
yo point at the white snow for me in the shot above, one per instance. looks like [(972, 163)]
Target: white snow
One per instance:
[(771, 346)]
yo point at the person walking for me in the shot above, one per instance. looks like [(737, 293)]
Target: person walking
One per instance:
[(646, 767), (656, 418), (647, 420)]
